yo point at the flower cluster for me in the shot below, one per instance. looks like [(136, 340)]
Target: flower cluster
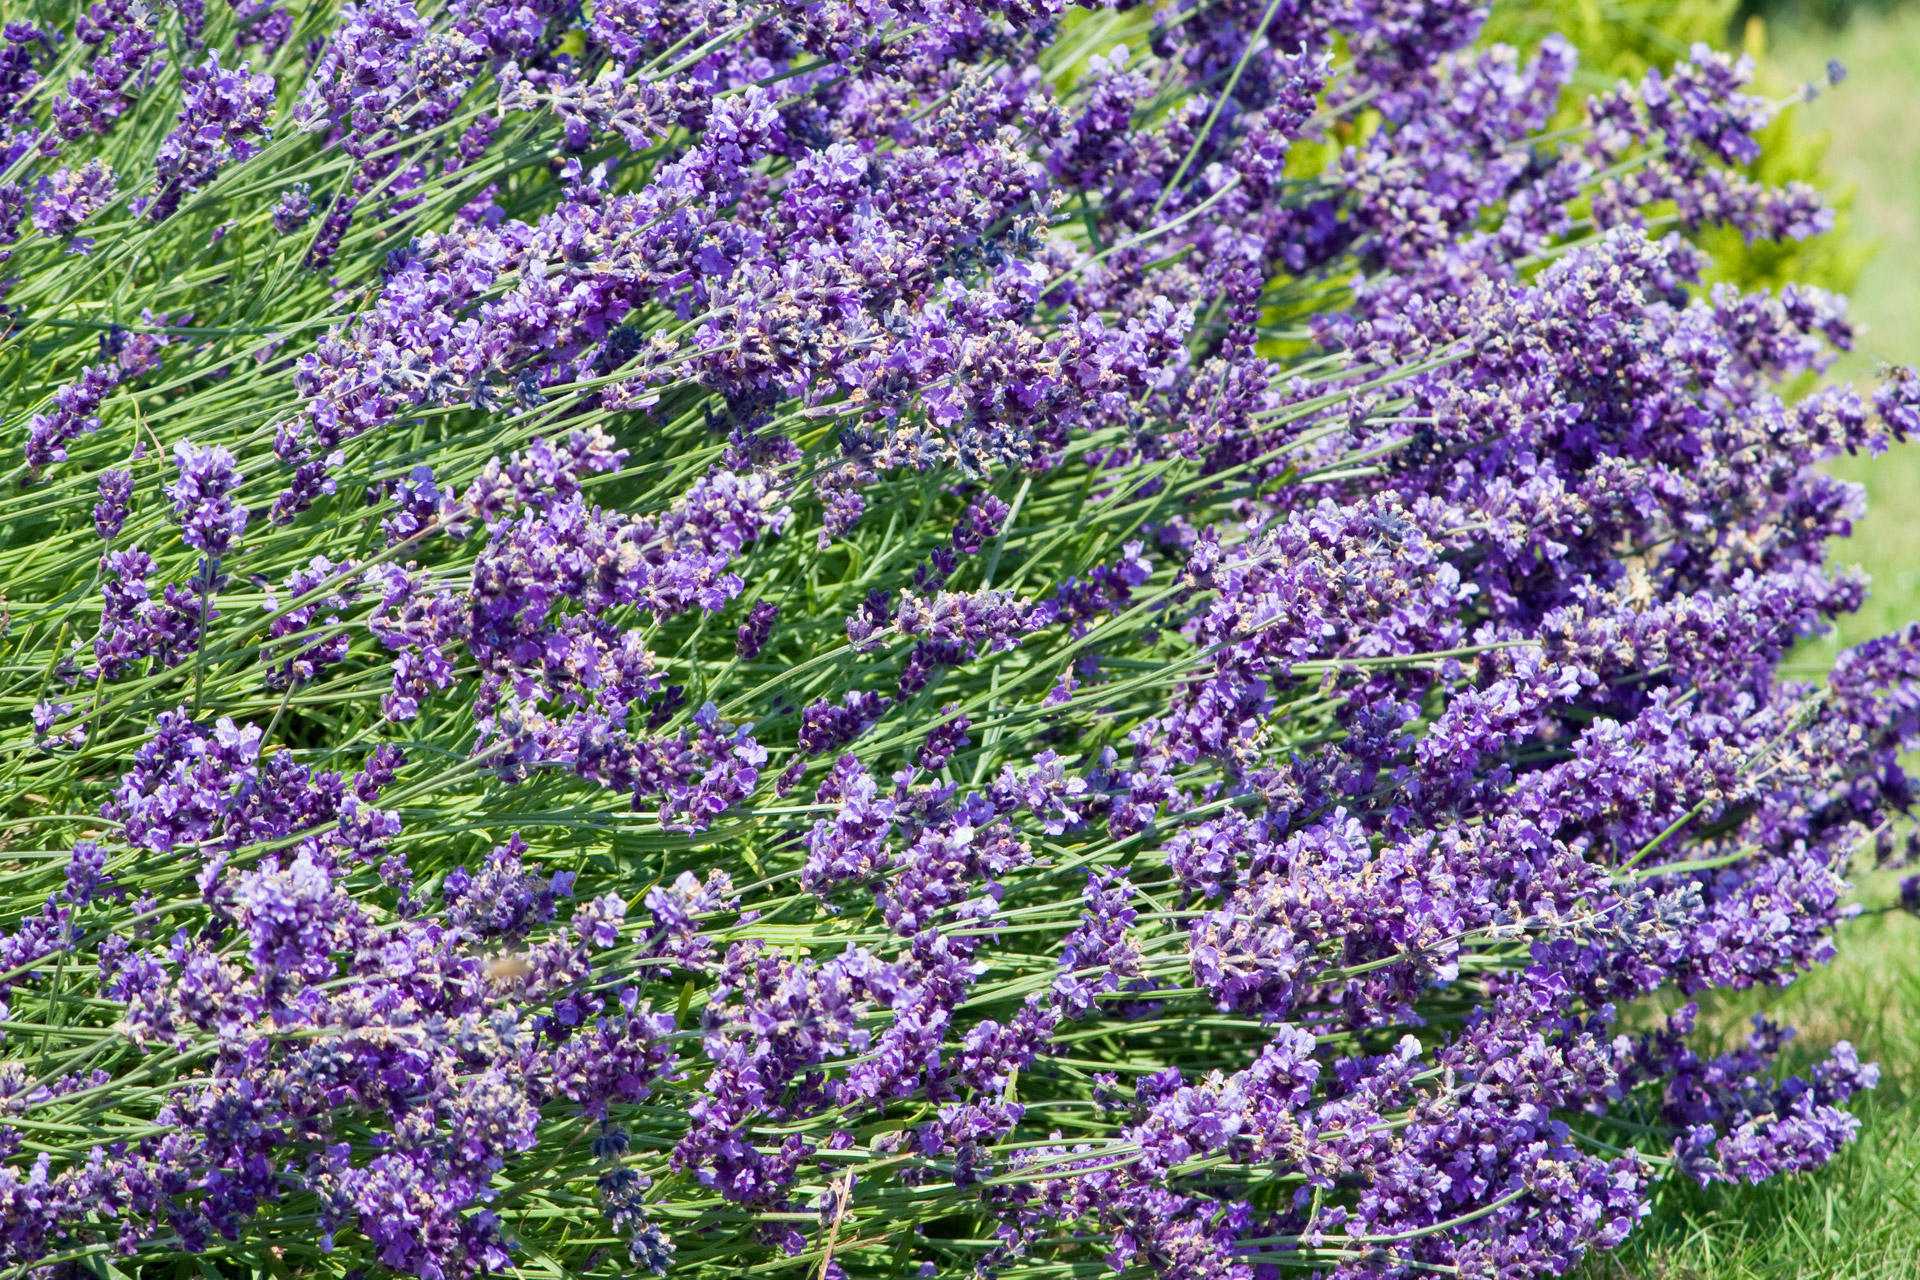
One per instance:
[(221, 112), (69, 198), (75, 407), (870, 638)]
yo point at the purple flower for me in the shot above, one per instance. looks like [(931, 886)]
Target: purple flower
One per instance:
[(980, 524), (971, 617), (210, 521), (756, 630), (303, 660), (1733, 1122), (221, 113), (1897, 401), (93, 102), (294, 919), (852, 844), (824, 727), (76, 405), (191, 786), (675, 933), (69, 198), (135, 626), (502, 899), (293, 210), (1390, 639), (599, 920), (1099, 956), (944, 739), (110, 513), (86, 873)]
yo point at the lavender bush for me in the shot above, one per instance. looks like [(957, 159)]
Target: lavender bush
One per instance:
[(850, 639)]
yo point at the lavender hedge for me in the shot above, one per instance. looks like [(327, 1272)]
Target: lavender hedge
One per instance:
[(863, 639)]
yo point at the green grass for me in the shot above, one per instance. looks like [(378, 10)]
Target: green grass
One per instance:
[(1860, 1216), (1857, 1219)]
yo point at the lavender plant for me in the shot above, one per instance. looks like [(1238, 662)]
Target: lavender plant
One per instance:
[(868, 640)]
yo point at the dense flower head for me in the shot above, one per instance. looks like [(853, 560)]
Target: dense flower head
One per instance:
[(502, 899), (123, 45), (210, 521), (294, 210), (110, 513), (221, 113), (865, 638), (69, 197), (752, 635)]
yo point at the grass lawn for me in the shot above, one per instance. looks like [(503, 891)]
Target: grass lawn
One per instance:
[(1859, 1217)]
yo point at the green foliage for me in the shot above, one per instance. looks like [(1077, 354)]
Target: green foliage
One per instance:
[(1616, 40), (1624, 40), (1834, 14)]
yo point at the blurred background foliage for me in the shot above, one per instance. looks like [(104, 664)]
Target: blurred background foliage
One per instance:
[(1624, 40)]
